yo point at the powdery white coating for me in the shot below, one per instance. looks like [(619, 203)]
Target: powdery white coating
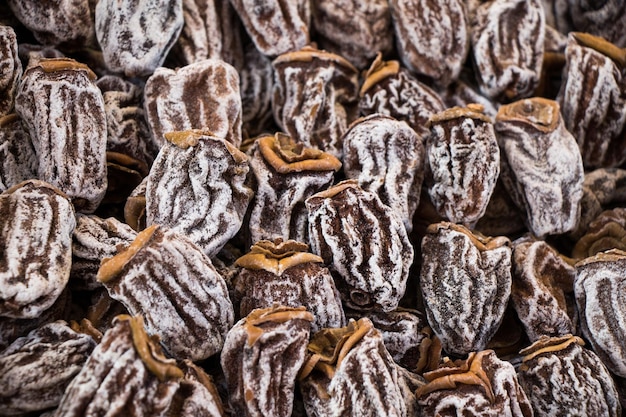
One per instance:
[(256, 84), (63, 111), (315, 101), (593, 104), (464, 161), (432, 37), (116, 382), (277, 208), (197, 401), (199, 192), (365, 243), (460, 94), (36, 224), (183, 299), (465, 290), (404, 98), (275, 26), (386, 157), (507, 39), (470, 400), (38, 367), (18, 161), (542, 291), (11, 69), (310, 285), (93, 240), (606, 19), (261, 376), (136, 35), (366, 383), (211, 30), (543, 172), (600, 290), (356, 30), (572, 382), (56, 22), (203, 95)]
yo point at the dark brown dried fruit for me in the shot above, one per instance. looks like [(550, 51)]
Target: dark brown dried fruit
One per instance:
[(261, 358), (167, 279), (356, 30), (541, 165), (256, 82), (507, 40), (285, 174), (135, 207), (432, 37), (386, 157), (593, 99), (38, 367), (126, 375), (561, 377), (18, 161), (203, 96), (606, 232), (465, 281), (285, 273), (391, 90), (36, 224), (11, 69), (63, 111), (543, 290), (197, 394), (315, 97), (606, 19), (349, 372), (196, 187), (276, 26), (135, 36), (464, 163), (364, 242), (481, 385), (599, 297)]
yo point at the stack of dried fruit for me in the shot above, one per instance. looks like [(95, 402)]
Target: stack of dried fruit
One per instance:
[(322, 208)]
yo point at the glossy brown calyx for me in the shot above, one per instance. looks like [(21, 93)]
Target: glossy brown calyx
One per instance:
[(277, 256), (276, 314), (613, 255), (541, 113), (310, 52), (603, 46), (65, 64), (378, 71), (481, 242), (547, 344), (450, 374), (286, 155), (471, 111)]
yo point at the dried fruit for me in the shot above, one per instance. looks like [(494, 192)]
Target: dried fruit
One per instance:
[(285, 174), (196, 187), (11, 69), (202, 96), (606, 19), (365, 244), (557, 372), (135, 36), (287, 274), (36, 224), (604, 233), (386, 157), (481, 385), (464, 163), (432, 37), (315, 97), (593, 99), (197, 394), (507, 40), (167, 279), (465, 281), (262, 355), (256, 82), (63, 111), (541, 165), (598, 290), (126, 375), (38, 367), (18, 161)]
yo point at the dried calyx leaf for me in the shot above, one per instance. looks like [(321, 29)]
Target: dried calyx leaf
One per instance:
[(613, 255), (378, 71), (286, 155), (309, 53), (150, 351), (65, 64), (276, 314), (603, 46), (482, 243), (110, 268), (329, 347), (452, 373), (541, 113), (277, 256), (186, 138), (472, 110), (430, 352), (86, 327), (547, 344)]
